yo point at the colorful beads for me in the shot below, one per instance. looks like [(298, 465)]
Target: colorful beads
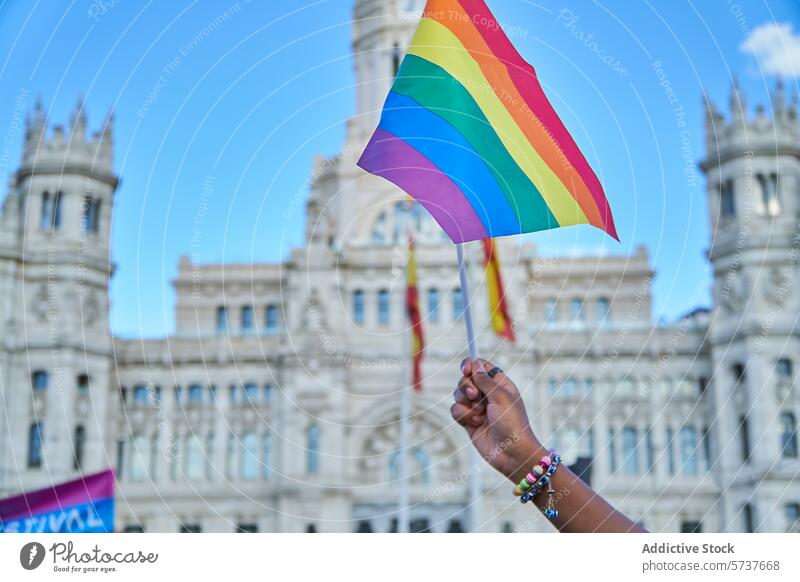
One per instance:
[(540, 477)]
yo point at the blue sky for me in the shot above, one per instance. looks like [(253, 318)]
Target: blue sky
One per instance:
[(250, 103)]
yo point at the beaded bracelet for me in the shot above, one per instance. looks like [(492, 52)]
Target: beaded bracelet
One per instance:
[(540, 476)]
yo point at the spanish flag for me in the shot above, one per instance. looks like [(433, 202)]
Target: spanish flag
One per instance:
[(414, 316), (501, 321)]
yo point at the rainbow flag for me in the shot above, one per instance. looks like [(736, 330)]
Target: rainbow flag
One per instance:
[(82, 506), (469, 133), (498, 307), (414, 316)]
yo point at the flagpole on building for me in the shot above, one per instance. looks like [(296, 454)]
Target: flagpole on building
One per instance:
[(403, 489), (474, 459)]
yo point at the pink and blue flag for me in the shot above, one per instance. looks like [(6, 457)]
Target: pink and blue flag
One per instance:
[(85, 505)]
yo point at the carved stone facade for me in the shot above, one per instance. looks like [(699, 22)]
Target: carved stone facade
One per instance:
[(274, 404)]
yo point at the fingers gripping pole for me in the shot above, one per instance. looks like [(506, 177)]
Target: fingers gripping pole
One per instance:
[(462, 273)]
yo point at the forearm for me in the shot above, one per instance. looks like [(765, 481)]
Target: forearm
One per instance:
[(580, 509)]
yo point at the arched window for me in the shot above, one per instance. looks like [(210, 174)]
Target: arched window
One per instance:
[(39, 381), (433, 304), (140, 457), (195, 458), (222, 319), (458, 304), (272, 319), (789, 435), (576, 309), (247, 319), (358, 306), (35, 442), (603, 311), (249, 457), (551, 312), (78, 445), (312, 449), (383, 307)]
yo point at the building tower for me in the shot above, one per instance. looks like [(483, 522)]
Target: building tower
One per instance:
[(56, 358), (753, 171)]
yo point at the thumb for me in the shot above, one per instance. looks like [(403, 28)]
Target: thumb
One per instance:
[(490, 387)]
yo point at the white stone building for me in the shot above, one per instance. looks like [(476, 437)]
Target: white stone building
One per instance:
[(274, 404)]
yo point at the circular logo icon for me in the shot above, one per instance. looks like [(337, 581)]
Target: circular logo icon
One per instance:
[(31, 555)]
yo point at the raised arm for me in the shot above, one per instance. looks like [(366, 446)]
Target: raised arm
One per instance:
[(491, 410)]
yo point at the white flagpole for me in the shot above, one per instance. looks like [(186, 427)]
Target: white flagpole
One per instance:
[(402, 461), (474, 458)]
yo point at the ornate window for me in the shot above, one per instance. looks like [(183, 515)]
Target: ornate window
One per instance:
[(52, 207)]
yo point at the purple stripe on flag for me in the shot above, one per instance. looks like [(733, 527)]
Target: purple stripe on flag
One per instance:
[(91, 488), (392, 158)]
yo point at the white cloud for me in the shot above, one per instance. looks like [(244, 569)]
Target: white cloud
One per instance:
[(777, 48)]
